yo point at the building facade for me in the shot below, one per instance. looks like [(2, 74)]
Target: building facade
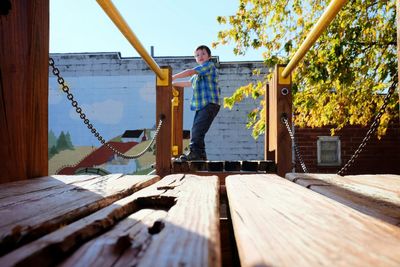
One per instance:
[(118, 95)]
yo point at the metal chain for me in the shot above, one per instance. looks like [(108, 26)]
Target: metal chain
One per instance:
[(90, 126), (371, 130), (296, 149)]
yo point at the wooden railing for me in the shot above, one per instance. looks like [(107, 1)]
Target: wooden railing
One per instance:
[(169, 106)]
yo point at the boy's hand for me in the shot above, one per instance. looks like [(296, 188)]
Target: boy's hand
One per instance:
[(181, 84)]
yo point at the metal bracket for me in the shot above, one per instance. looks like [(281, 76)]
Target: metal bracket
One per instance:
[(164, 82), (284, 91), (175, 99), (174, 150), (281, 79)]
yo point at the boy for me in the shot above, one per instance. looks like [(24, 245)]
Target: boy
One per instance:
[(205, 101)]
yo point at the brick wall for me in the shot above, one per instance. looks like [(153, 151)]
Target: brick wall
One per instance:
[(378, 156)]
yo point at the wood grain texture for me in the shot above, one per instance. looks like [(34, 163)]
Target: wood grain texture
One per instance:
[(164, 137), (278, 136), (24, 50), (269, 154), (375, 195), (20, 188), (283, 153), (279, 223), (272, 116), (174, 222), (30, 210)]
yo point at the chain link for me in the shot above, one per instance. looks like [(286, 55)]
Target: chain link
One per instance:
[(371, 130), (89, 125), (296, 149)]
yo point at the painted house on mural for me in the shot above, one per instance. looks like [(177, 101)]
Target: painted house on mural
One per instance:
[(134, 136)]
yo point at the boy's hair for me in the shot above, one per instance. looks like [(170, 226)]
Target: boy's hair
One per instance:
[(204, 47)]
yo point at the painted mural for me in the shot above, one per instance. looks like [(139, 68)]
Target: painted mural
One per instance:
[(121, 108)]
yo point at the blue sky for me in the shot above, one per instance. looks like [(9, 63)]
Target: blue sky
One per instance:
[(173, 27)]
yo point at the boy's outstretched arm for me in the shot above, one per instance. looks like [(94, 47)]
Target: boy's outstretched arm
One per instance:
[(182, 84), (183, 74)]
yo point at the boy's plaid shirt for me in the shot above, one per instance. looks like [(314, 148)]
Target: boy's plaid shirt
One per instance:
[(205, 86)]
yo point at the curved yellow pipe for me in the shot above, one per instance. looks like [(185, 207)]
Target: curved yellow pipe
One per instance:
[(323, 22), (119, 21)]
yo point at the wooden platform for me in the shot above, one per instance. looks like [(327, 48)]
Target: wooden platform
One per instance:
[(191, 220), (375, 195), (278, 223), (156, 226)]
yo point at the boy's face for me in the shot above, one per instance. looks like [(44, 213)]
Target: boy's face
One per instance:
[(201, 56)]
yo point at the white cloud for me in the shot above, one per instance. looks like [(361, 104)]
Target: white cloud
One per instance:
[(148, 92), (55, 95), (107, 112)]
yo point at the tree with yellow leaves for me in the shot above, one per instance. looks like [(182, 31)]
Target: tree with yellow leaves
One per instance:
[(342, 78)]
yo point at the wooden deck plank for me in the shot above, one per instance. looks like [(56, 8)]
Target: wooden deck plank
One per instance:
[(375, 195), (278, 223), (174, 222), (43, 209), (13, 189), (116, 248)]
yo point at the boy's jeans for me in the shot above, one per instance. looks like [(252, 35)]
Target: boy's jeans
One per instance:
[(201, 123)]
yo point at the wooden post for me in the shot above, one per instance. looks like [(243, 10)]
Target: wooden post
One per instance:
[(398, 46), (177, 126), (268, 153), (280, 104), (163, 110), (24, 50)]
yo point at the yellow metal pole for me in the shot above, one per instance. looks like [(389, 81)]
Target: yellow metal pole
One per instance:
[(174, 106), (119, 21), (323, 22)]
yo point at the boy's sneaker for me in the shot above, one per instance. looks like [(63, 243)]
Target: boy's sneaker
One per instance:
[(192, 156)]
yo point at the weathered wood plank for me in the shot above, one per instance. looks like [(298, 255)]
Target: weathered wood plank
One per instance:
[(375, 195), (42, 209), (278, 223), (22, 188), (122, 244), (174, 222)]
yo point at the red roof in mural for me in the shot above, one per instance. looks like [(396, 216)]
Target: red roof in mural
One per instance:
[(100, 156)]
